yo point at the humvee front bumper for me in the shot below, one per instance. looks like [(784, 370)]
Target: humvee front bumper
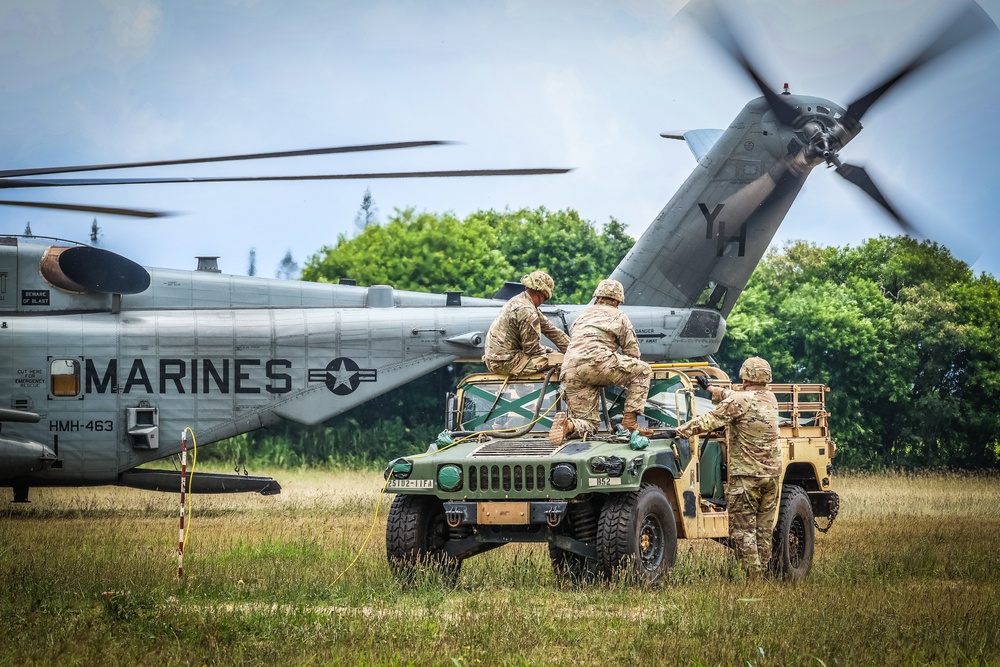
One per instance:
[(505, 513), (504, 522)]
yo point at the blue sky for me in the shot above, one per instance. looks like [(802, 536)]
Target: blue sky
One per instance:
[(585, 84)]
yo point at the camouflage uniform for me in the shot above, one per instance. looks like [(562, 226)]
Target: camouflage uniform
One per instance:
[(754, 466), (513, 343), (593, 361)]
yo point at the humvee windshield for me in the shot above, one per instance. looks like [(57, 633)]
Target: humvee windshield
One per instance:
[(497, 405)]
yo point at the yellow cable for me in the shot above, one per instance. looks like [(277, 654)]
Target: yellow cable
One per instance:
[(378, 505)]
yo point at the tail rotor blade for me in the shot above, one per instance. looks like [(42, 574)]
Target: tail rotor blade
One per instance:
[(968, 24), (859, 177), (714, 23)]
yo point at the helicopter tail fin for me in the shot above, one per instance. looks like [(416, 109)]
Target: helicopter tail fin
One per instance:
[(699, 141), (702, 248)]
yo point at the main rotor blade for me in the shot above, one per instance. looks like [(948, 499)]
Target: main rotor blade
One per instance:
[(859, 177), (55, 182), (968, 24), (132, 212), (713, 23), (10, 173)]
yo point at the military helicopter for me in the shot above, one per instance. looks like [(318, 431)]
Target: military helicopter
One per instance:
[(105, 362)]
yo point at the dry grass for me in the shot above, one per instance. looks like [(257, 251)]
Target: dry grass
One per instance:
[(910, 574)]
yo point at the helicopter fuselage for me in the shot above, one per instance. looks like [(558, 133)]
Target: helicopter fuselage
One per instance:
[(115, 378)]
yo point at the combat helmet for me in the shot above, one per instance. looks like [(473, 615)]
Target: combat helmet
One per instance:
[(756, 370), (540, 282), (609, 288)]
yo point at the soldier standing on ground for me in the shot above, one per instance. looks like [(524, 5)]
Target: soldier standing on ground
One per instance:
[(593, 361), (513, 343), (754, 460)]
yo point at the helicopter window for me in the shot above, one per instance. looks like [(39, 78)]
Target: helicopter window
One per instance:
[(65, 377)]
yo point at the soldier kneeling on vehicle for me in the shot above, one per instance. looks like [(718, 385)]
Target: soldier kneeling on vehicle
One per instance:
[(593, 361)]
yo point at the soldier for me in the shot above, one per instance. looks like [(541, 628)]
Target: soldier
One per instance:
[(513, 343), (593, 361), (754, 460)]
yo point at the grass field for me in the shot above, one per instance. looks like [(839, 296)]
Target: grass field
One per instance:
[(909, 575)]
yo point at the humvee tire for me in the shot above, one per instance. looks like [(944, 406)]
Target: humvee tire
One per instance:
[(794, 535), (637, 535), (415, 535)]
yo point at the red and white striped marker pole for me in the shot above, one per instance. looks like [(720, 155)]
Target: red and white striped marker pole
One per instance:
[(180, 539)]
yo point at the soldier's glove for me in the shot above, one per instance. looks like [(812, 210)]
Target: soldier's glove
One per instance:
[(703, 382), (669, 432)]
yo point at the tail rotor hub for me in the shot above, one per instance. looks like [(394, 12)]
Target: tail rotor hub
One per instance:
[(820, 141)]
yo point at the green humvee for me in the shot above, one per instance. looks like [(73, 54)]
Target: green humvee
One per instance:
[(607, 506)]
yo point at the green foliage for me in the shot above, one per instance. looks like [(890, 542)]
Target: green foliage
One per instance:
[(904, 334), (344, 443), (561, 243), (439, 252), (423, 252)]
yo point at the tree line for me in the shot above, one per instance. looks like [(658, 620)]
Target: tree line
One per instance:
[(905, 335)]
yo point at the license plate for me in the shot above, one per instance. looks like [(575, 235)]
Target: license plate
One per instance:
[(505, 514), (411, 484), (604, 481)]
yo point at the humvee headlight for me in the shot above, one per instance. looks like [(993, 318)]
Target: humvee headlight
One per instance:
[(398, 468), (450, 477), (598, 464), (615, 466), (563, 476)]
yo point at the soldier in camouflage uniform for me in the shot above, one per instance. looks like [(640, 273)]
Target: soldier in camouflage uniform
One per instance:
[(513, 343), (754, 460), (593, 361)]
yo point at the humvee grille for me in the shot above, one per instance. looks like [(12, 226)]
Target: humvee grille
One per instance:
[(486, 478), (532, 447)]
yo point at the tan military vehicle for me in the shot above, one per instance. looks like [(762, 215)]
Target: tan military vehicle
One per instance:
[(607, 506)]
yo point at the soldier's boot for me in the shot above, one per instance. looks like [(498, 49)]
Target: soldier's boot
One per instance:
[(561, 429), (630, 425)]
